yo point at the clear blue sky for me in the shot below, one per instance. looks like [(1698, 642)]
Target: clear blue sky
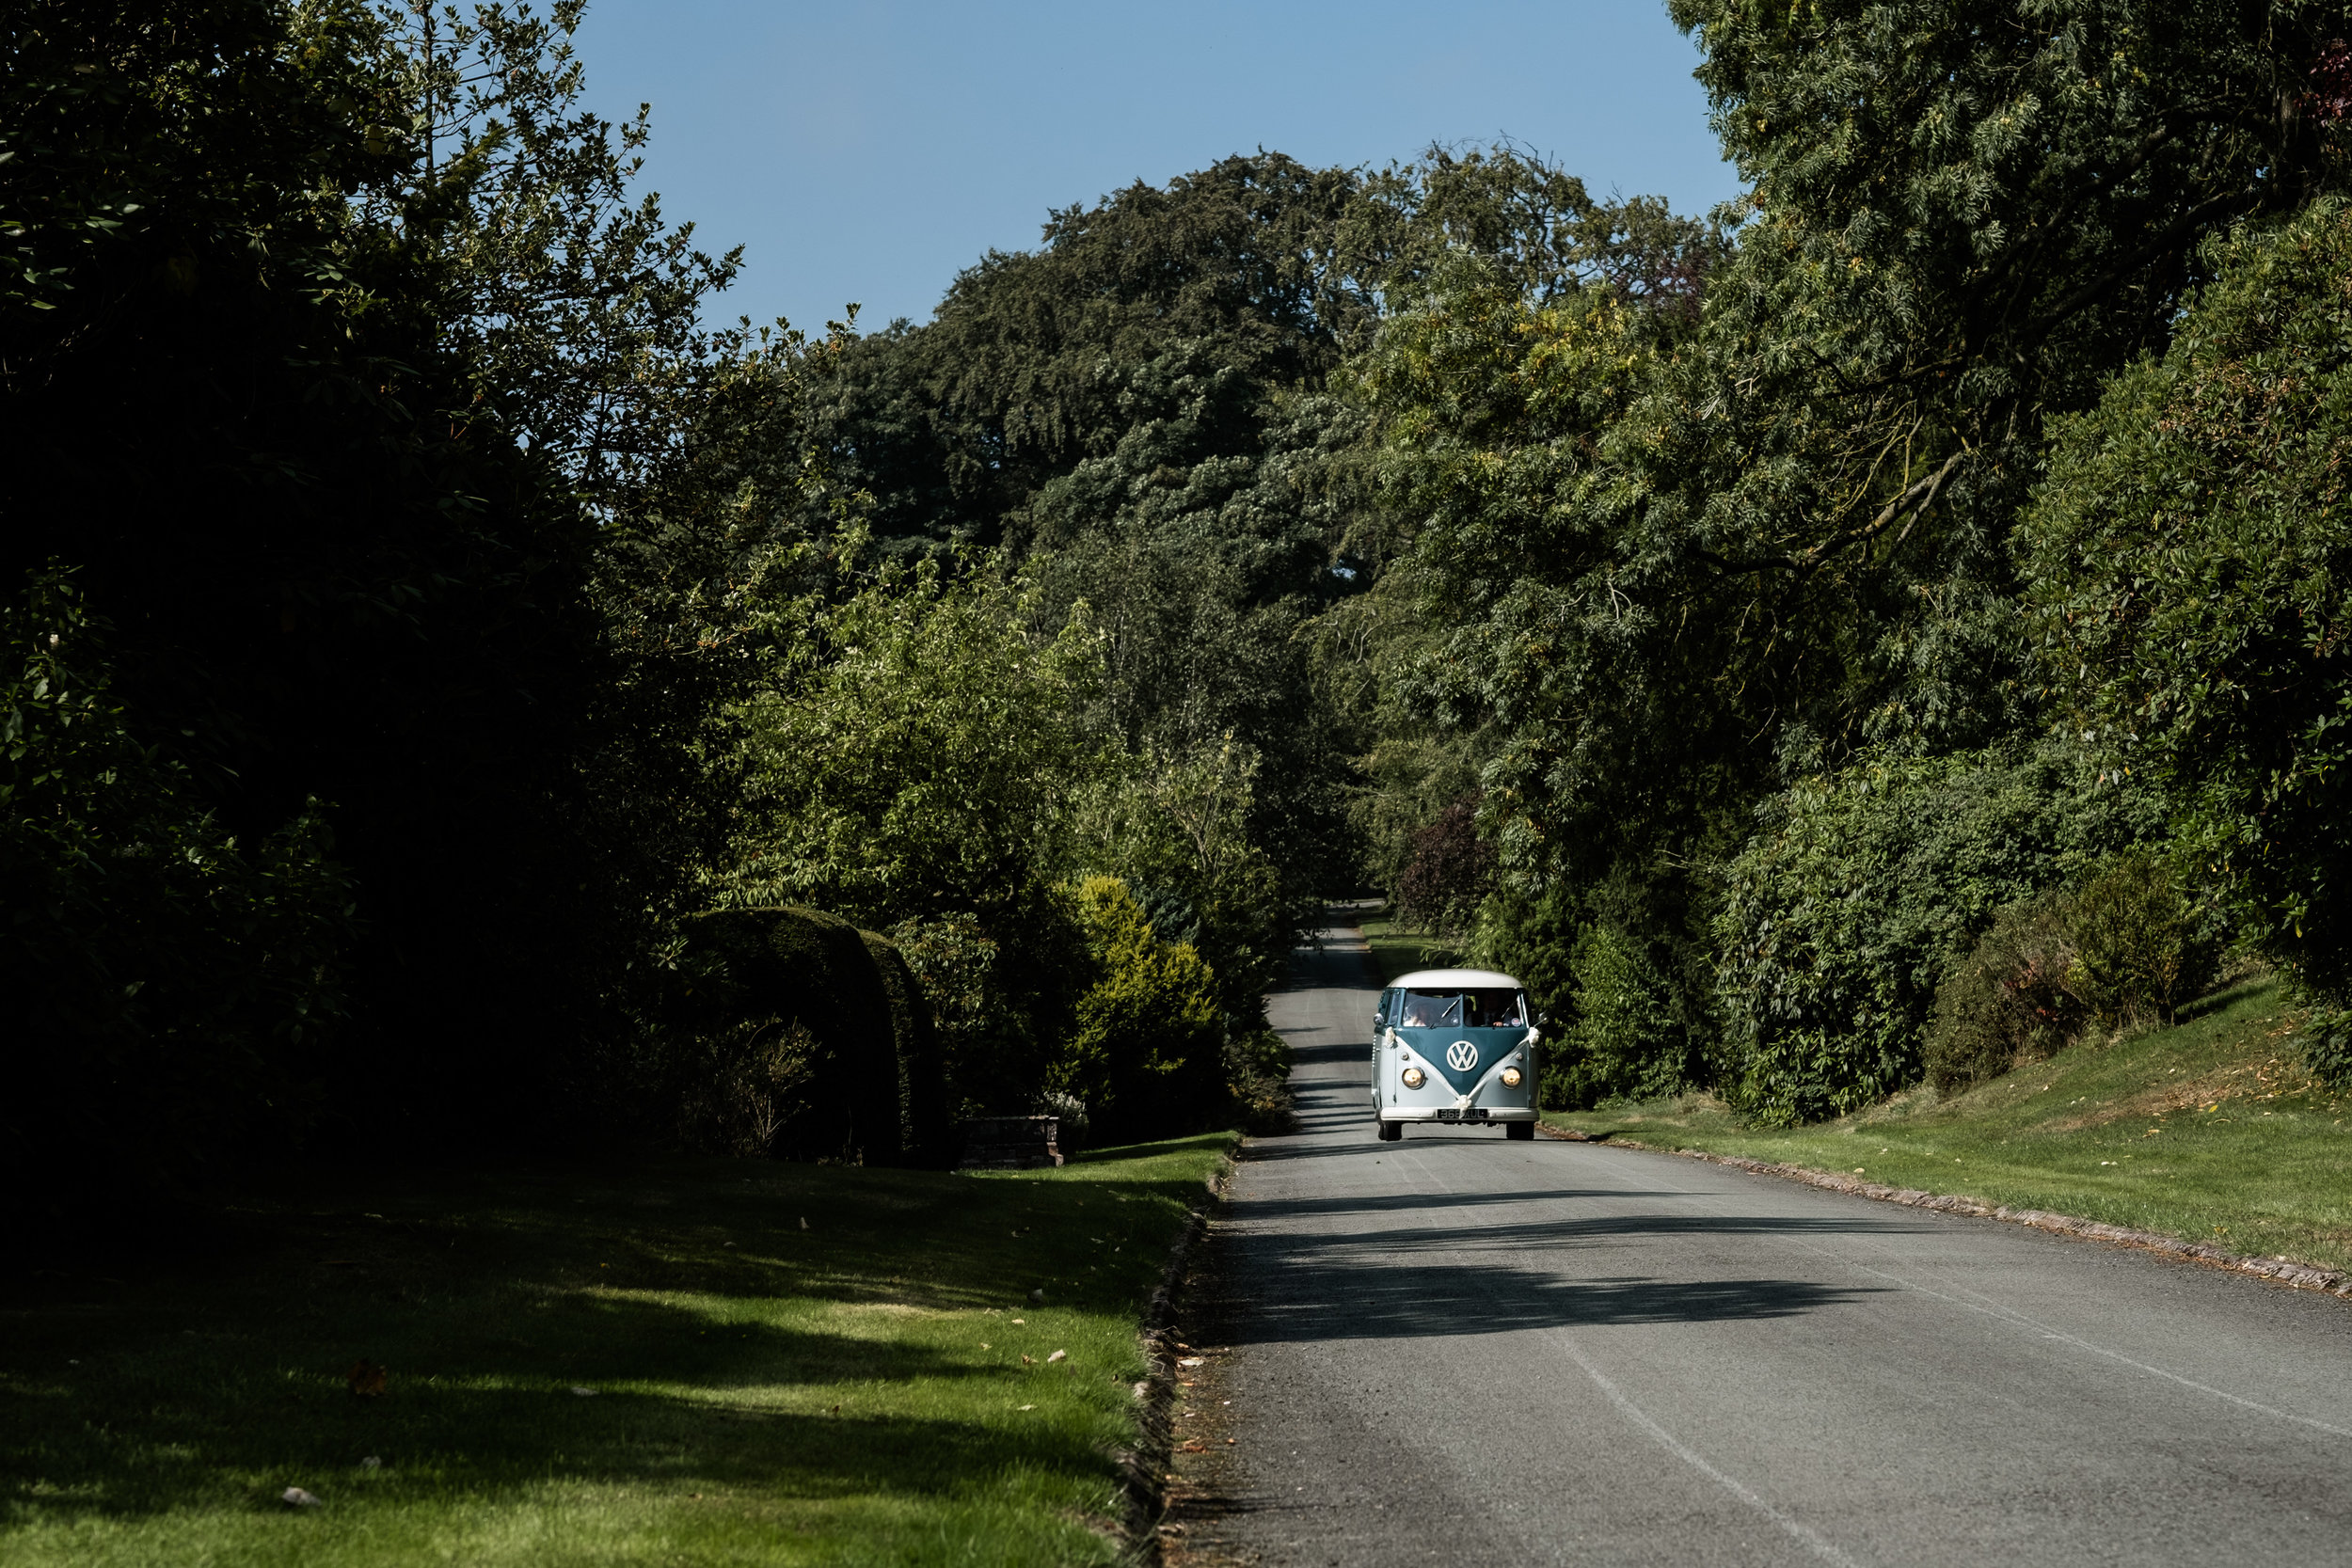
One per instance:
[(869, 151)]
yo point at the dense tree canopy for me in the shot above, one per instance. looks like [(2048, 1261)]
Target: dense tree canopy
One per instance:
[(440, 617)]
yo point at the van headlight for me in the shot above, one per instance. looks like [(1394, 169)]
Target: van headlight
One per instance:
[(1510, 1078), (1415, 1078)]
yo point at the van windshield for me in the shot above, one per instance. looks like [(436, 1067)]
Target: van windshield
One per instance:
[(1464, 1009)]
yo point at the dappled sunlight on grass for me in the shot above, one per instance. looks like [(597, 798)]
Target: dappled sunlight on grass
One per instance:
[(690, 1361)]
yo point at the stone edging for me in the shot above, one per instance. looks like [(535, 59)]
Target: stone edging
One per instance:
[(2300, 1276), (1143, 1469)]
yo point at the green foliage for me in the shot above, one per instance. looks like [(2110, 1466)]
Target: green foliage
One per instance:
[(2008, 1000), (1178, 831), (2191, 573), (1257, 1075), (910, 759), (808, 1029), (1626, 1042), (911, 751), (173, 994), (926, 1136), (1666, 560), (2140, 948), (1533, 940), (1863, 887), (1146, 1055), (2121, 948), (327, 339)]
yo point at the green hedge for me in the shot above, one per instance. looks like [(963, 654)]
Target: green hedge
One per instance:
[(859, 1080)]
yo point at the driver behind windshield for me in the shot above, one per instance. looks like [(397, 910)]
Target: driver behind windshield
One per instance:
[(1477, 1010)]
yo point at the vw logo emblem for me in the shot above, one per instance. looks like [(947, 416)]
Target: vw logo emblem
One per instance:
[(1461, 1055)]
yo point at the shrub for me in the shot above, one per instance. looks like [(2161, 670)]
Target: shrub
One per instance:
[(2189, 560), (1146, 1054), (2327, 1041), (2009, 1001), (926, 1135), (2139, 952), (1861, 891), (755, 976), (1257, 1079), (2123, 949), (1626, 1042)]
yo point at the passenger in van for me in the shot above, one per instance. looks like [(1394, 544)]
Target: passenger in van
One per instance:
[(1421, 1012)]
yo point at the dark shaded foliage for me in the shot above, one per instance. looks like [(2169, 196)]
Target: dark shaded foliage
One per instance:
[(171, 991), (802, 970), (1449, 872), (926, 1136)]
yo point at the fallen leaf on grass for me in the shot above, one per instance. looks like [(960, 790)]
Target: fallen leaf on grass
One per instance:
[(294, 1496), (584, 1393), (371, 1463), (1028, 1408), (1191, 1360), (1028, 1361), (366, 1379), (1055, 1356)]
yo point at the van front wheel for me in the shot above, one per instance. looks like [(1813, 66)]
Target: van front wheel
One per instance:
[(1519, 1131), (1391, 1131)]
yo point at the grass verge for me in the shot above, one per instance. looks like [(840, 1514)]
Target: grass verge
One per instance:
[(1398, 951), (2210, 1132), (676, 1363)]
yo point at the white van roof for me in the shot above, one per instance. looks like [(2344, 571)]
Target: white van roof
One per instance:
[(1455, 979)]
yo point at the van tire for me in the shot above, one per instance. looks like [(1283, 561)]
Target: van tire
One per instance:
[(1391, 1131), (1519, 1131)]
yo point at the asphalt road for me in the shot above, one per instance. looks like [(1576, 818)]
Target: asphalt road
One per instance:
[(1457, 1348)]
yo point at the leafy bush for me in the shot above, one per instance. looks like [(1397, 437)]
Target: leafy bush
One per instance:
[(2327, 1038), (2139, 949), (2124, 948), (1146, 1054), (1626, 1042), (2008, 1001), (926, 1136), (1864, 887), (758, 977), (2190, 563), (1256, 1077), (171, 993)]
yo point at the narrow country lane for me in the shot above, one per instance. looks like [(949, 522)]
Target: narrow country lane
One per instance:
[(1459, 1349)]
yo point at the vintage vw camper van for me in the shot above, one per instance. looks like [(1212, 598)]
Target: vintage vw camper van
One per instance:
[(1456, 1047)]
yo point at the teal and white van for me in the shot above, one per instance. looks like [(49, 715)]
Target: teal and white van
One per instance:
[(1456, 1047)]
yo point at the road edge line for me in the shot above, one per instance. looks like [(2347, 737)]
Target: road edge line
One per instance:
[(2297, 1276)]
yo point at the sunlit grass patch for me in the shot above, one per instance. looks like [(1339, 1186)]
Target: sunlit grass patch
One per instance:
[(679, 1362), (2209, 1131), (1397, 950)]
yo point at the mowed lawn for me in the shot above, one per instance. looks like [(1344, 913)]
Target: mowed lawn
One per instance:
[(712, 1362), (2210, 1132), (1398, 949)]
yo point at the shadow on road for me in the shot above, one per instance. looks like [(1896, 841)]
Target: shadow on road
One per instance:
[(1315, 1296)]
